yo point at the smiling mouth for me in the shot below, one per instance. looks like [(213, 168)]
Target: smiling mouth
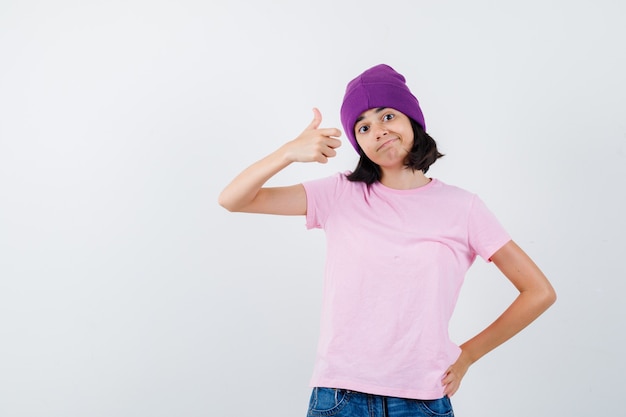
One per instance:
[(387, 142)]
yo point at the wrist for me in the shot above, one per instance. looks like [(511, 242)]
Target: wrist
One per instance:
[(285, 154), (466, 356)]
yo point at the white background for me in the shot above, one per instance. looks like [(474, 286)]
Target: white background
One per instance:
[(125, 290)]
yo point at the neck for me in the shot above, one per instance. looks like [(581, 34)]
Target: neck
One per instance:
[(403, 179)]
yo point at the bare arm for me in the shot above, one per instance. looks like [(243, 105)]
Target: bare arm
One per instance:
[(536, 295), (246, 192)]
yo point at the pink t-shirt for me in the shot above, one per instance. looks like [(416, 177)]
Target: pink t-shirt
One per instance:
[(395, 263)]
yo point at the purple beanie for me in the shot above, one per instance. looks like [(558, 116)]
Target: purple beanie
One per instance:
[(379, 86)]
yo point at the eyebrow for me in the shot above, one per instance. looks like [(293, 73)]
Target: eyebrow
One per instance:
[(378, 110)]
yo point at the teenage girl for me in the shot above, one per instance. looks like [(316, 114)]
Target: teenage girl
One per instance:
[(398, 246)]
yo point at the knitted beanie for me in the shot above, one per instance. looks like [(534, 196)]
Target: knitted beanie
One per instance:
[(379, 86)]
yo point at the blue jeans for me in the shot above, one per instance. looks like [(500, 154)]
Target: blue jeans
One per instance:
[(343, 403)]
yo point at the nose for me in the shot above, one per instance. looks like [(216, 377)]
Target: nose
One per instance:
[(379, 131)]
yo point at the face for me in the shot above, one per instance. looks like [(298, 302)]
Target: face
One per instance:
[(385, 135)]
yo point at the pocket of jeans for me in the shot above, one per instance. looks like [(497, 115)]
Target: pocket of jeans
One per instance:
[(440, 407), (327, 401)]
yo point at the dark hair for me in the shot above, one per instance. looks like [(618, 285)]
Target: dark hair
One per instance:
[(423, 154)]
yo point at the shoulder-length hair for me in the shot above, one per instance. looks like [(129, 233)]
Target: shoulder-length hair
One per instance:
[(423, 154)]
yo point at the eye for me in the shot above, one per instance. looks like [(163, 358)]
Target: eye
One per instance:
[(363, 129), (389, 116)]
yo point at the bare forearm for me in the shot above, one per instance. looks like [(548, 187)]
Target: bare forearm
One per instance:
[(524, 310), (246, 192), (535, 296), (244, 187)]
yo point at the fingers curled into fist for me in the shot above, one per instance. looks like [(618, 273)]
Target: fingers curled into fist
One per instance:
[(315, 144)]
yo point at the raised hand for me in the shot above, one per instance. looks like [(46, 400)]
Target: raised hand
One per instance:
[(246, 192), (314, 144)]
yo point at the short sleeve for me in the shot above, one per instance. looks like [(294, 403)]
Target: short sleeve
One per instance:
[(320, 196), (486, 234)]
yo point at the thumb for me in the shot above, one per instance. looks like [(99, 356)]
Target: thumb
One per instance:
[(317, 119)]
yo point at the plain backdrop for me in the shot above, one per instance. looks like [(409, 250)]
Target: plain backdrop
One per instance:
[(126, 290)]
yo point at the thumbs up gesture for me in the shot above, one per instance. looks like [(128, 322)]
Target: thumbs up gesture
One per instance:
[(314, 144)]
